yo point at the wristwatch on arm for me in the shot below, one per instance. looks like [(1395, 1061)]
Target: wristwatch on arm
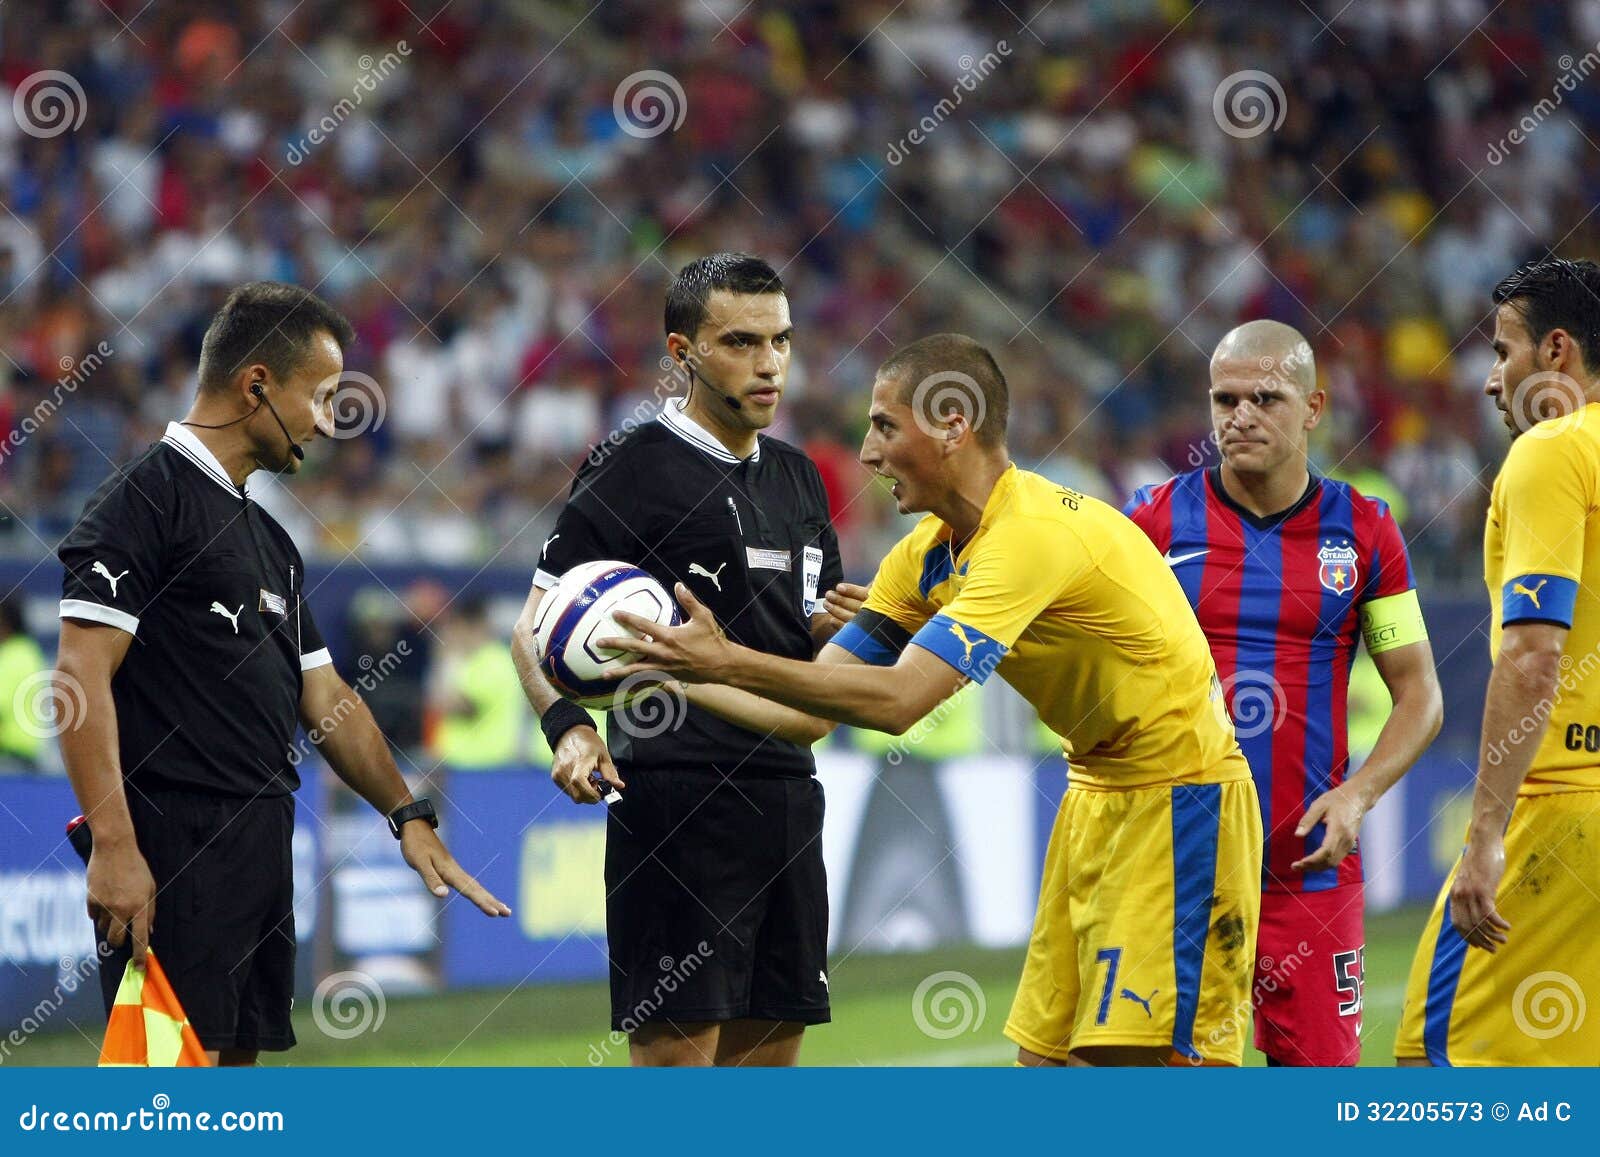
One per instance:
[(421, 809)]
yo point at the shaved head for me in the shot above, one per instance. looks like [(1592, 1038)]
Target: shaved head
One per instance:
[(1271, 348)]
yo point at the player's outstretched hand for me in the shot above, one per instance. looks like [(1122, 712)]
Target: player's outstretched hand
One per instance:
[(842, 604), (582, 766), (1472, 894), (1342, 809), (425, 851), (693, 651)]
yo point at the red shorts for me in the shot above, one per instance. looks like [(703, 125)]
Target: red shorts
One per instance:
[(1310, 965)]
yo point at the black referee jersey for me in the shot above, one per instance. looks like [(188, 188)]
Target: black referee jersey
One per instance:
[(211, 587), (751, 538)]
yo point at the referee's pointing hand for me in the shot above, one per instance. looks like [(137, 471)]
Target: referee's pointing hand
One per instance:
[(425, 852)]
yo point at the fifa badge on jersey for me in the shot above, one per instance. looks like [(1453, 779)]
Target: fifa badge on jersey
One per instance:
[(1337, 571), (811, 577), (274, 603)]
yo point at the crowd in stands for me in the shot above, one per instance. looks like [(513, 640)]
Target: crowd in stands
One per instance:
[(464, 182)]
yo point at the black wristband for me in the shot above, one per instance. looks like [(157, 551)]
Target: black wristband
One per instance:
[(562, 717)]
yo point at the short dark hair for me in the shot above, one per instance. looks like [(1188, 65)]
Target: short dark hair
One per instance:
[(947, 362), (1555, 293), (267, 322), (695, 282)]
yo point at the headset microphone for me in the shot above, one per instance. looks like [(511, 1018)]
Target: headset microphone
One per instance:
[(733, 403), (294, 447)]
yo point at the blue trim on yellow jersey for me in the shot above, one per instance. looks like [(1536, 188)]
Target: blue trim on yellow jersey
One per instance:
[(864, 647), (1543, 597), (937, 565), (1444, 975), (1195, 822), (976, 658)]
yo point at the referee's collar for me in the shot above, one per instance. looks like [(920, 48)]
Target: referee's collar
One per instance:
[(674, 418), (183, 440)]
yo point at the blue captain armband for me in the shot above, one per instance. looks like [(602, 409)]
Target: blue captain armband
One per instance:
[(1546, 598), (965, 648)]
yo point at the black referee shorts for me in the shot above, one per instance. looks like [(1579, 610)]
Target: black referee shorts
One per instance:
[(716, 900), (224, 921)]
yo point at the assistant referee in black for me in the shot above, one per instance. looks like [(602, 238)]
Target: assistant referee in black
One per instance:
[(186, 636), (716, 897)]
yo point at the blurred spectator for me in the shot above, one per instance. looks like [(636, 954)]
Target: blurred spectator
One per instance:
[(22, 690), (475, 696)]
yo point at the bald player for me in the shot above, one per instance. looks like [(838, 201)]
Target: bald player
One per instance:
[(1287, 571)]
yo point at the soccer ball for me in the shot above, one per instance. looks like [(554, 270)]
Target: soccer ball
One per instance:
[(577, 611)]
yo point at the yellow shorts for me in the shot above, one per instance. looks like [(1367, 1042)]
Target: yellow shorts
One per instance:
[(1146, 929), (1536, 1000)]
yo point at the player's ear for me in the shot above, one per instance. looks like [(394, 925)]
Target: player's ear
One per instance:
[(957, 430), (1316, 403), (250, 378), (1558, 350)]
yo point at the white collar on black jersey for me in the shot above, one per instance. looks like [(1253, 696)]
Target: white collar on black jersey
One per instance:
[(674, 418), (182, 439)]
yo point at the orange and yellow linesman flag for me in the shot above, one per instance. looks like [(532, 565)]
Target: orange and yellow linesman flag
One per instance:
[(148, 1028)]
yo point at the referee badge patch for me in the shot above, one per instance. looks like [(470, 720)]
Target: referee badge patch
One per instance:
[(758, 558), (273, 603), (812, 575)]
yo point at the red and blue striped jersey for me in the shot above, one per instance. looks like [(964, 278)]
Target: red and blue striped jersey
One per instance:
[(1278, 600)]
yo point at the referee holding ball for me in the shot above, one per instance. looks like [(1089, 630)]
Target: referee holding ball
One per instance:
[(716, 897), (185, 634)]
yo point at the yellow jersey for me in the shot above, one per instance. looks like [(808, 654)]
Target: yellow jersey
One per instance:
[(1073, 606), (1541, 561)]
